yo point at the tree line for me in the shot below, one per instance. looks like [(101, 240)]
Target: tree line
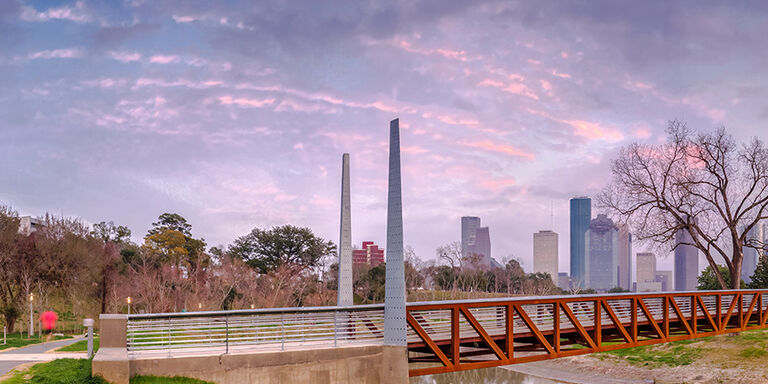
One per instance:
[(68, 266)]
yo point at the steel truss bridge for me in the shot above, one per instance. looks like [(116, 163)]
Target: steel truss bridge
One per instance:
[(449, 336)]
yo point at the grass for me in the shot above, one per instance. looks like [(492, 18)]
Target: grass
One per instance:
[(752, 352), (62, 371), (746, 345), (80, 346), (78, 371), (21, 340), (673, 355)]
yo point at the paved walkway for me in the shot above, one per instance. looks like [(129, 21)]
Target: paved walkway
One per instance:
[(36, 352)]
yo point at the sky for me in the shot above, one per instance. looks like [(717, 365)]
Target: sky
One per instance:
[(235, 114)]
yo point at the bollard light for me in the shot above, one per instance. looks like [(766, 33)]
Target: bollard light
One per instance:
[(128, 299), (31, 316), (89, 324), (252, 306), (200, 306)]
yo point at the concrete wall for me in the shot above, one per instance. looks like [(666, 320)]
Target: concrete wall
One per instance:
[(352, 365)]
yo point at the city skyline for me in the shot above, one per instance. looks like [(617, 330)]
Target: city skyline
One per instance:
[(234, 117)]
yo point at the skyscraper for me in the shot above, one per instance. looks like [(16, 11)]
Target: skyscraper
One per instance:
[(625, 257), (686, 262), (752, 255), (482, 248), (545, 253), (581, 214), (469, 226), (601, 263), (646, 267)]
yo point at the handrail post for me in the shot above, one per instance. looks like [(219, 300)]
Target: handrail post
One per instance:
[(226, 330), (282, 331)]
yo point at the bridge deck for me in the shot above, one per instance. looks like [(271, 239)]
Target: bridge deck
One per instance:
[(458, 335)]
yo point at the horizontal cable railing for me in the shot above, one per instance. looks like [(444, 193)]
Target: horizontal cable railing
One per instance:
[(316, 327), (262, 329)]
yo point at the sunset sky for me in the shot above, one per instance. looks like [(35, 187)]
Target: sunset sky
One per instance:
[(235, 114)]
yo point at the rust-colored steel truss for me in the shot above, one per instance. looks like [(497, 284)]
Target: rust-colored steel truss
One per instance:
[(461, 335)]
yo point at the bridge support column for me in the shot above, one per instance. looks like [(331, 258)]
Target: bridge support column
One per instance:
[(111, 362), (395, 327), (394, 367)]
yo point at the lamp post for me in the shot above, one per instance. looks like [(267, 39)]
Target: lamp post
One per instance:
[(128, 300), (31, 316)]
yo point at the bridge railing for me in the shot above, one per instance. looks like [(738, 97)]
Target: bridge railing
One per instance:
[(262, 329), (467, 334)]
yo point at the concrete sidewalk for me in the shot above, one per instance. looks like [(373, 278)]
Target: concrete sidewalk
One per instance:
[(36, 353)]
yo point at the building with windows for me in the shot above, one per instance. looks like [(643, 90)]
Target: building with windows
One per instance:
[(665, 278), (563, 281), (476, 243), (29, 224), (580, 216), (545, 253), (646, 267), (482, 248), (469, 226), (370, 254), (625, 257), (752, 255), (601, 265), (686, 262)]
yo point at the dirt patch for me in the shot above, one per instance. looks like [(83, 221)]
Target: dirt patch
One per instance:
[(741, 359)]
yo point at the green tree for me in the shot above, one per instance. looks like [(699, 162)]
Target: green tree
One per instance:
[(265, 250), (172, 221), (708, 281), (760, 277), (109, 232)]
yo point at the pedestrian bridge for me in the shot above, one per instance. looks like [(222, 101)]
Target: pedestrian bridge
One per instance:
[(450, 336)]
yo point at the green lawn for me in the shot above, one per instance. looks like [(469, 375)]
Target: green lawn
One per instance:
[(62, 371), (743, 346), (78, 371), (80, 346), (17, 340)]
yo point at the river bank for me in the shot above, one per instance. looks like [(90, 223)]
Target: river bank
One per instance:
[(741, 359)]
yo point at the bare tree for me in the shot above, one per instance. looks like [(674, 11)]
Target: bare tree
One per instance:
[(704, 183)]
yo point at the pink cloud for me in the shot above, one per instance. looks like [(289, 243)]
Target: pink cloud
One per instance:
[(534, 62), (642, 133), (546, 85), (164, 59), (521, 89), (589, 130), (492, 83), (70, 53), (564, 54), (77, 13), (594, 131), (559, 74), (448, 53), (414, 149), (125, 57), (184, 19), (244, 103), (506, 149)]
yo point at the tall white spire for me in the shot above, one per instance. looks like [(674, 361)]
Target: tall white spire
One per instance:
[(345, 238), (395, 331)]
